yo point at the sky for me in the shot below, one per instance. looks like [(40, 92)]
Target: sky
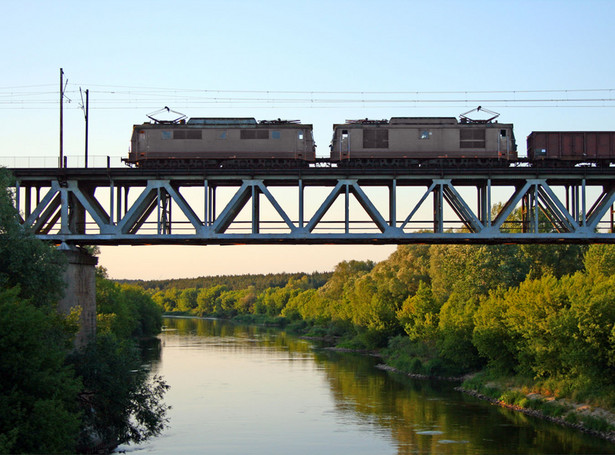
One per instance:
[(318, 61)]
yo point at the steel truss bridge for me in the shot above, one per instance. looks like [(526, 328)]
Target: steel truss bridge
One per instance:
[(122, 206)]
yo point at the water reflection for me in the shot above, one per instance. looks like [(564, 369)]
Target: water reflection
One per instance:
[(238, 389)]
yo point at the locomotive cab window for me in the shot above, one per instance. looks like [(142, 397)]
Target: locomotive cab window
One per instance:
[(375, 138), (424, 134), (502, 133), (300, 135), (472, 138)]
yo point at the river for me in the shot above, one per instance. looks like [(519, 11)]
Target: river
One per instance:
[(250, 390)]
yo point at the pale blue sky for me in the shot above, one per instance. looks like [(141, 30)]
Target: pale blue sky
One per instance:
[(117, 49)]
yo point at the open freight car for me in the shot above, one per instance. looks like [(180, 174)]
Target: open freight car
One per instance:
[(569, 148)]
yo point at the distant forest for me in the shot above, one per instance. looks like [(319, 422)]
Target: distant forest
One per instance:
[(260, 282)]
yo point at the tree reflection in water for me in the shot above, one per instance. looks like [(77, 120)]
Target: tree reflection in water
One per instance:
[(414, 416)]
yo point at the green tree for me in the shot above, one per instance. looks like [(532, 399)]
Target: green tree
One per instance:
[(273, 300), (187, 300), (25, 261), (556, 260), (455, 328), (587, 328), (113, 312), (401, 274), (38, 392), (472, 270), (122, 405), (491, 336), (166, 300), (419, 315), (344, 272), (533, 312), (600, 260), (148, 314), (207, 298)]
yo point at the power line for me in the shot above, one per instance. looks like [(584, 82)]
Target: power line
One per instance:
[(132, 97), (328, 101), (244, 107), (362, 92)]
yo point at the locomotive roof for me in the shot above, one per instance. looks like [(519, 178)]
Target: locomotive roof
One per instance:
[(221, 121), (406, 121), (417, 121), (423, 121)]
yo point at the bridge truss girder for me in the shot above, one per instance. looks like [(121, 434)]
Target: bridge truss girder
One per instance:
[(510, 207)]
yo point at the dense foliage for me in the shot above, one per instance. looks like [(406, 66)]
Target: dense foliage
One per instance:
[(52, 398), (232, 282), (39, 410), (121, 403), (223, 301), (25, 262), (545, 313)]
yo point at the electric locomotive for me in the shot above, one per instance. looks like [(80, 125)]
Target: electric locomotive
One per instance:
[(422, 141), (222, 142)]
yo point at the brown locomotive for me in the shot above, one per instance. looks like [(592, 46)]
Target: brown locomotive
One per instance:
[(222, 142), (418, 141), (396, 143)]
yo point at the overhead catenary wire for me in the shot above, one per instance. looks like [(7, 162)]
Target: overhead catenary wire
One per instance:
[(135, 97)]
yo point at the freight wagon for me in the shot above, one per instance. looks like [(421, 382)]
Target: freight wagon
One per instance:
[(568, 148)]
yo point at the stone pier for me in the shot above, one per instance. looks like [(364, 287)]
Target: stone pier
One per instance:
[(80, 292)]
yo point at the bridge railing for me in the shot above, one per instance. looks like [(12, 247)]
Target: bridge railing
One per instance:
[(73, 161)]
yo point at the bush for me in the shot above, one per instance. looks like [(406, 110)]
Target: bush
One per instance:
[(123, 404), (514, 397), (596, 424)]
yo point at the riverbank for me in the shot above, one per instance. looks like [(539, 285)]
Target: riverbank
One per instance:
[(579, 416), (584, 417)]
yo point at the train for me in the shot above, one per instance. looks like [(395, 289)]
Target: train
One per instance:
[(399, 142)]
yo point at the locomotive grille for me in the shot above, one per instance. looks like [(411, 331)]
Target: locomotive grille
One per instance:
[(187, 134), (375, 138), (472, 138), (254, 134)]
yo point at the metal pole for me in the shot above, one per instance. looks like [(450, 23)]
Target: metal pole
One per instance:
[(584, 204), (393, 203), (159, 225), (255, 210), (301, 196), (206, 201), (489, 202), (111, 201), (87, 118), (61, 117), (347, 211), (536, 209)]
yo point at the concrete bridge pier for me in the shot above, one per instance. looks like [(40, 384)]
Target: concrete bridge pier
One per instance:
[(80, 292)]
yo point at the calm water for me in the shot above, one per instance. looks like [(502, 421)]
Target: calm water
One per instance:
[(247, 390)]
